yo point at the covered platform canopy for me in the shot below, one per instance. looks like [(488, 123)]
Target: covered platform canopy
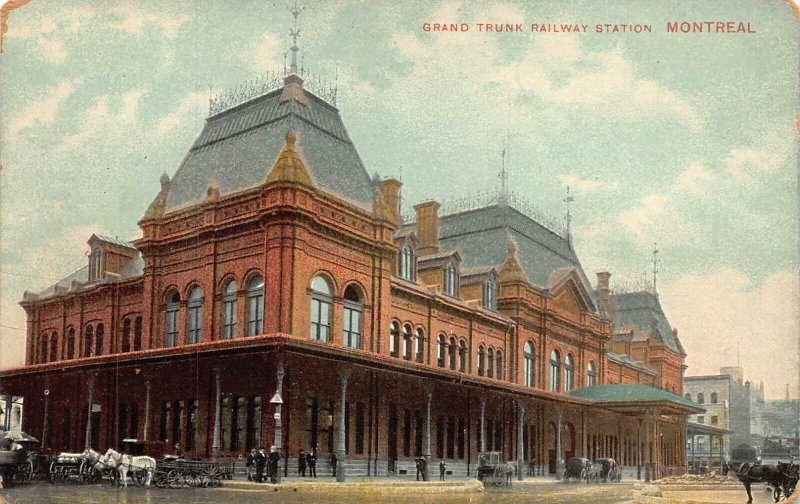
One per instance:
[(635, 399)]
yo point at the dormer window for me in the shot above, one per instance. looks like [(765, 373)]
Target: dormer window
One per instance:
[(490, 294), (450, 280), (94, 264), (406, 264)]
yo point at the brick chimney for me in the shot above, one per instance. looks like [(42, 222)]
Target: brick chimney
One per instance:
[(603, 290), (428, 227), (390, 189)]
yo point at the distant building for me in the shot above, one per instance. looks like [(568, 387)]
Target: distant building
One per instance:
[(11, 412), (775, 426)]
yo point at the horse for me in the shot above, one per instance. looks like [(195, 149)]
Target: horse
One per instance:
[(782, 477), (576, 468), (125, 463), (595, 472)]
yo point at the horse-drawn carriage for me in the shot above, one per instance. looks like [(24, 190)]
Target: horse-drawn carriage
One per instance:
[(582, 469), (174, 472), (18, 457), (80, 468), (576, 469), (609, 470), (493, 472)]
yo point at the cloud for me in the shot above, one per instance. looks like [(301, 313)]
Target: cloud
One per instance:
[(586, 186), (42, 111), (51, 50), (129, 19), (656, 218), (195, 105), (103, 123), (266, 56), (715, 310), (742, 162), (694, 179)]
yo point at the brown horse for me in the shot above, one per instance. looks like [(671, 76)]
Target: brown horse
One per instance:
[(781, 477)]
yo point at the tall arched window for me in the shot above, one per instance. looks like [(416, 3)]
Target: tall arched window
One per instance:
[(420, 344), (569, 373), (490, 363), (126, 335), (43, 348), (700, 398), (137, 334), (555, 368), (451, 352), (88, 341), (499, 370), (194, 316), (490, 294), (351, 326), (394, 339), (98, 339), (171, 319), (71, 343), (53, 346), (527, 368), (406, 264), (481, 360), (713, 395), (408, 343), (255, 306), (229, 310), (450, 284), (441, 344), (592, 374), (320, 309), (462, 356)]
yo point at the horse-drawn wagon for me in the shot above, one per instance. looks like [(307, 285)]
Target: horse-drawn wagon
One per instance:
[(493, 472), (172, 472), (18, 457)]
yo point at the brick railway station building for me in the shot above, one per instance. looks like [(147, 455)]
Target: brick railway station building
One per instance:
[(271, 265)]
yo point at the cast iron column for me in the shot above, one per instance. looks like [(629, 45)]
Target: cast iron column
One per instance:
[(559, 461), (146, 430), (217, 415), (520, 440), (46, 426), (483, 424), (88, 437), (341, 452), (426, 442), (278, 440)]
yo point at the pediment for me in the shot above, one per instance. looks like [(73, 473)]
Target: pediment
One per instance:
[(570, 295)]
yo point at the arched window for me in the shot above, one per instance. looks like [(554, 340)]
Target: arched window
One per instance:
[(555, 368), (351, 326), (700, 398), (528, 368), (98, 339), (481, 360), (71, 343), (394, 339), (450, 284), (406, 264), (88, 341), (171, 319), (499, 370), (462, 356), (569, 373), (451, 352), (229, 310), (440, 350), (420, 344), (43, 348), (490, 294), (320, 309), (591, 374), (137, 334), (408, 343), (126, 335), (194, 316), (53, 346), (94, 264), (490, 363), (713, 395), (255, 306)]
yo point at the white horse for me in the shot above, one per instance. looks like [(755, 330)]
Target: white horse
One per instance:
[(126, 463)]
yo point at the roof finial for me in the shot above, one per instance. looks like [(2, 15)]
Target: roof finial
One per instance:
[(503, 175), (569, 199), (655, 267), (294, 33)]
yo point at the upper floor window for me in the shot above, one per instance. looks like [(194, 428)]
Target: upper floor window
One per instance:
[(451, 352), (229, 310), (441, 344), (137, 334), (171, 319), (450, 280), (462, 356), (490, 294), (43, 348), (499, 371), (481, 360), (394, 339), (71, 343), (408, 342), (88, 341), (569, 373), (420, 344), (351, 326), (701, 419), (490, 363), (126, 335), (406, 263), (528, 367), (714, 420), (94, 264), (555, 368), (194, 316), (591, 374), (713, 398), (255, 306), (53, 346), (98, 339), (700, 398), (320, 309)]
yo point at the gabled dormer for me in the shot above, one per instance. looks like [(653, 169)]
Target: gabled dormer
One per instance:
[(480, 283), (406, 267), (441, 271), (108, 256)]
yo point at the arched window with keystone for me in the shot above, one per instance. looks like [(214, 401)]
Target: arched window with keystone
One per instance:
[(229, 310), (194, 316), (321, 301), (353, 310), (255, 306)]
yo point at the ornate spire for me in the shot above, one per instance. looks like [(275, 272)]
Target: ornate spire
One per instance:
[(503, 175), (655, 268), (294, 33), (511, 270), (289, 166), (569, 199)]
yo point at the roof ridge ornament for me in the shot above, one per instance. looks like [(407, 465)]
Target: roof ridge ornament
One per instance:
[(289, 167), (511, 270)]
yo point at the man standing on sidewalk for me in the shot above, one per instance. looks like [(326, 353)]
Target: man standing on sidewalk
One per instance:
[(301, 464), (442, 469)]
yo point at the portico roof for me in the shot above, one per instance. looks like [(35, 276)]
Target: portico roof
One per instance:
[(693, 428), (635, 397)]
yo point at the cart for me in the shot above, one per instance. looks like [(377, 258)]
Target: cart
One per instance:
[(491, 471)]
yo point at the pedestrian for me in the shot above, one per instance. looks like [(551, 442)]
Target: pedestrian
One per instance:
[(416, 463), (274, 457), (333, 464), (442, 469), (312, 463), (251, 464), (423, 468), (301, 464), (261, 461), (178, 451)]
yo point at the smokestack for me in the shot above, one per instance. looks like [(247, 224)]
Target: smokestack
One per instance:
[(428, 227), (603, 290), (390, 190)]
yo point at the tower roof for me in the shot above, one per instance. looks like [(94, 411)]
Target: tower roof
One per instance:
[(642, 311)]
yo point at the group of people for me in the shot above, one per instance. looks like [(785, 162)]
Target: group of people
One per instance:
[(308, 462), (259, 460), (422, 465)]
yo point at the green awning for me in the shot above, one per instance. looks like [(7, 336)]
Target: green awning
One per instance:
[(633, 394)]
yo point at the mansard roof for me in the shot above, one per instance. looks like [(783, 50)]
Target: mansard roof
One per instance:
[(481, 237), (632, 363), (642, 312), (238, 147)]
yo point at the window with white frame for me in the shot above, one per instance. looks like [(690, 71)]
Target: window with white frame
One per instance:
[(420, 345), (321, 301), (555, 368), (229, 310), (481, 360), (450, 280), (255, 306), (499, 370), (441, 350), (569, 373), (171, 319), (351, 327), (394, 339), (408, 344), (591, 374), (490, 294), (406, 263), (194, 316), (528, 364)]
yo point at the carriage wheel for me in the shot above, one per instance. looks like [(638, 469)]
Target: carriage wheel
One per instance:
[(139, 478), (212, 477), (192, 479), (175, 479)]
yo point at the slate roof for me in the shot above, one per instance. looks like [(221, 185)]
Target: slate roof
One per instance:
[(238, 147), (631, 392), (625, 360), (480, 237), (133, 268), (642, 311), (115, 241)]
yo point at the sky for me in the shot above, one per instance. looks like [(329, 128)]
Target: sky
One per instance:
[(684, 140)]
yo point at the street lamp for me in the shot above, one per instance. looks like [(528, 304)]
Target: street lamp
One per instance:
[(277, 401)]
